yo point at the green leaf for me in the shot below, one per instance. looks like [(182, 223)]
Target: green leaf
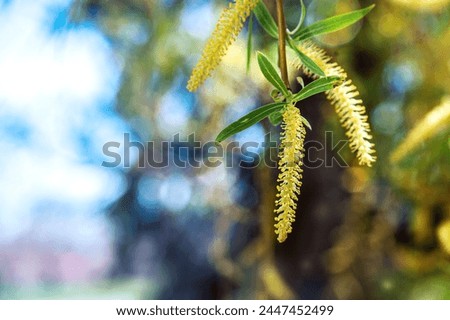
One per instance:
[(249, 119), (302, 18), (270, 73), (315, 87), (331, 24), (300, 81), (249, 42), (265, 19), (307, 61), (306, 122), (276, 117), (303, 13)]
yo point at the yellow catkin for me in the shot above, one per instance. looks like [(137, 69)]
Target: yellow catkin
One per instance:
[(344, 98), (421, 5), (443, 234), (433, 122), (290, 162), (225, 33)]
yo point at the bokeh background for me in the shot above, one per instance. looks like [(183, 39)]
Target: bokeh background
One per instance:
[(75, 75)]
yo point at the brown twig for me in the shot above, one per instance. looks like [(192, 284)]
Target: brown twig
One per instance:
[(282, 61)]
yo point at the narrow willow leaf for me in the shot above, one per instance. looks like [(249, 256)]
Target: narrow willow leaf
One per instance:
[(265, 19), (303, 13), (306, 122), (301, 20), (249, 119), (276, 118), (249, 43), (270, 73), (315, 87), (307, 61), (300, 81), (331, 24)]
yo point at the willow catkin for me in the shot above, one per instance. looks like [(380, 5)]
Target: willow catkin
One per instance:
[(432, 123), (290, 162), (344, 98), (225, 33)]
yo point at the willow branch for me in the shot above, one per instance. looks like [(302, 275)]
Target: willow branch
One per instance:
[(282, 61)]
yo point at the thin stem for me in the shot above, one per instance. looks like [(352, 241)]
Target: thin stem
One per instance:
[(282, 61)]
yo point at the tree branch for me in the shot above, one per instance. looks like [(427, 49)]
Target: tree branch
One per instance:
[(282, 61)]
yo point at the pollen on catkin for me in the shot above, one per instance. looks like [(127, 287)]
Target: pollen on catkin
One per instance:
[(225, 33), (289, 180), (344, 98)]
